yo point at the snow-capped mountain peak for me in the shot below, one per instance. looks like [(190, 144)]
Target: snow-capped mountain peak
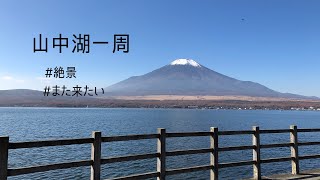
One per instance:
[(187, 77), (185, 62)]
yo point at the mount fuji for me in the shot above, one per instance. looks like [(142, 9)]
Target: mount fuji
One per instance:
[(187, 77)]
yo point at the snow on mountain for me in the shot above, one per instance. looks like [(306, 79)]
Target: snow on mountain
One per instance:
[(185, 62)]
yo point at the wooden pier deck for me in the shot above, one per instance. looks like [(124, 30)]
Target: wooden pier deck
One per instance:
[(161, 172), (304, 175)]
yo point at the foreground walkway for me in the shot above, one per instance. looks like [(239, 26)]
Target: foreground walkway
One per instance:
[(308, 175)]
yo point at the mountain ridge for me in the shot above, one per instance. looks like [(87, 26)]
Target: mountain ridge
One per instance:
[(187, 77)]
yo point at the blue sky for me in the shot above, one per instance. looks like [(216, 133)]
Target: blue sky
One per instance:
[(275, 43)]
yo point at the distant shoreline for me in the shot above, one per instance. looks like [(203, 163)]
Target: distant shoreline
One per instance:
[(235, 109), (30, 98), (205, 97), (170, 104)]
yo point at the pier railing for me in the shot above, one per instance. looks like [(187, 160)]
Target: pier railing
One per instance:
[(161, 172)]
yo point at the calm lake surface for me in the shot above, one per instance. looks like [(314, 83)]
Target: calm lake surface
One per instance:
[(27, 124)]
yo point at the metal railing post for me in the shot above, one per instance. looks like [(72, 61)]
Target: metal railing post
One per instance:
[(4, 145), (161, 149), (214, 172), (256, 153), (294, 149), (96, 155)]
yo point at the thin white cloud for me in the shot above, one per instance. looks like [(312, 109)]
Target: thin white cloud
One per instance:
[(47, 79), (19, 81), (12, 79), (7, 78), (10, 82)]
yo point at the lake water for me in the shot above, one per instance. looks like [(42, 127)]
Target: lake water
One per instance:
[(27, 124)]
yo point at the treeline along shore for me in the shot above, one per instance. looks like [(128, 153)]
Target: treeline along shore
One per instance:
[(29, 98), (190, 104)]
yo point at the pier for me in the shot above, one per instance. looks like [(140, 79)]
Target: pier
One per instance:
[(161, 172)]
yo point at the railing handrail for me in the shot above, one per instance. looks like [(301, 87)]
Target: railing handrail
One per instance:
[(37, 144), (73, 141), (97, 160)]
